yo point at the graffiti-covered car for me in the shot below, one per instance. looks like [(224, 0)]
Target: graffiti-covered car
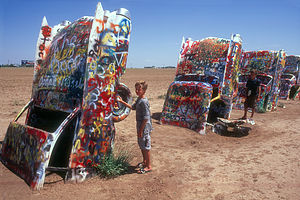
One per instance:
[(293, 66), (266, 84), (70, 118), (269, 66), (205, 83), (290, 80), (287, 81)]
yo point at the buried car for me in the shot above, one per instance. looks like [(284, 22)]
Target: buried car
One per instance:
[(269, 66), (205, 83), (290, 80), (266, 83), (70, 118), (287, 81)]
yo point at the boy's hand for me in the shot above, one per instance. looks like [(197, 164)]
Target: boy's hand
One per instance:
[(119, 99)]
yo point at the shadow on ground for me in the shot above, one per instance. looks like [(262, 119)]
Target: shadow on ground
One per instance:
[(156, 116)]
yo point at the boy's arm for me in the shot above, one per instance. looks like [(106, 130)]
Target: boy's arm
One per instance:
[(259, 91), (123, 102)]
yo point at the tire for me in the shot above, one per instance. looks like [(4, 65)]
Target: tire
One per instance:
[(120, 111)]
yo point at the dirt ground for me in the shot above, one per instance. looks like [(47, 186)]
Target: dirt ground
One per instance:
[(264, 164)]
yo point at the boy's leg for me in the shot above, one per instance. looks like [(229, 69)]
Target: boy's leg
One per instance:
[(253, 103), (144, 157), (147, 156), (245, 111), (145, 146), (141, 145), (253, 110)]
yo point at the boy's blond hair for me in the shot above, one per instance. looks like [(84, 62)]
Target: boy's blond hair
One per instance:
[(141, 84)]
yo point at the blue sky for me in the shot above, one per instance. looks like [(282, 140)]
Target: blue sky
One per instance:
[(158, 25)]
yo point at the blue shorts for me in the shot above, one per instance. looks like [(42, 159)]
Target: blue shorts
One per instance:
[(145, 141)]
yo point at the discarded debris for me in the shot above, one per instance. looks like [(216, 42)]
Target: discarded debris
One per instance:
[(232, 127), (281, 105)]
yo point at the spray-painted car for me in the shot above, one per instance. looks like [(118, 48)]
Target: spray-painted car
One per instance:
[(287, 81), (266, 85), (293, 66), (290, 79), (205, 83), (71, 115), (269, 66)]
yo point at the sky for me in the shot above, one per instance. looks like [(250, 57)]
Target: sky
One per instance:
[(158, 25)]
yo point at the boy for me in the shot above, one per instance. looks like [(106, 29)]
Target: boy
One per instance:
[(253, 92), (143, 123)]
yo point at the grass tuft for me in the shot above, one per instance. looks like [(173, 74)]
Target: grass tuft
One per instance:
[(114, 165), (162, 96), (261, 110)]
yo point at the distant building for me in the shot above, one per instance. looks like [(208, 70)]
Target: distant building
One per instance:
[(27, 63), (169, 67), (150, 67)]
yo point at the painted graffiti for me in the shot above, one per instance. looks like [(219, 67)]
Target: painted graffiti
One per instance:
[(186, 105), (106, 62), (269, 66), (290, 79), (58, 85), (25, 151), (292, 66), (43, 43), (120, 111), (46, 32), (286, 83), (206, 57), (215, 62), (230, 84), (76, 80)]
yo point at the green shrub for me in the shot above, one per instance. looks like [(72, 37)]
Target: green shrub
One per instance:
[(113, 165), (162, 96), (261, 110)]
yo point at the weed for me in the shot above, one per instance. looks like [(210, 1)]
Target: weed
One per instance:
[(162, 96), (261, 110), (114, 164)]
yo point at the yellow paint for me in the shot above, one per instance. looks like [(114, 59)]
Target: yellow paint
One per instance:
[(216, 98), (77, 144)]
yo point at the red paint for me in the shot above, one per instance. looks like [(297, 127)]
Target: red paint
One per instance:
[(46, 31)]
